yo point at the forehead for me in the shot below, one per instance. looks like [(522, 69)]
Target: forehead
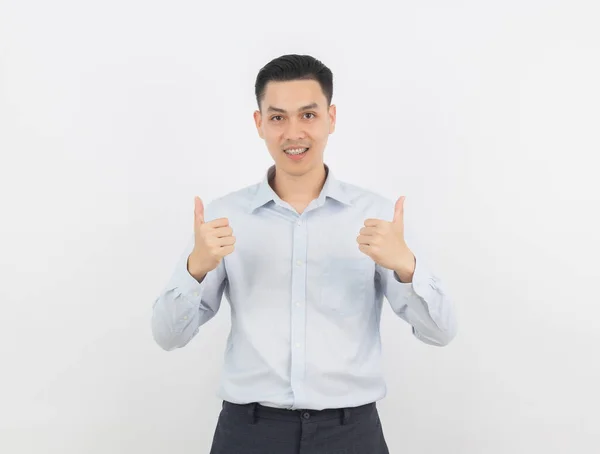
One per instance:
[(293, 94)]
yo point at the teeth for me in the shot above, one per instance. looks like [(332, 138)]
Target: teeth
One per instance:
[(295, 150)]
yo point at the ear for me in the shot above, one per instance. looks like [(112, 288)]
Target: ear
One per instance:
[(332, 117), (258, 123)]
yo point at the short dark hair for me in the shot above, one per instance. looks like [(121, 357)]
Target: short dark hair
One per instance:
[(294, 67)]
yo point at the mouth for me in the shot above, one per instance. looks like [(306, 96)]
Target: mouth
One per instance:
[(296, 151)]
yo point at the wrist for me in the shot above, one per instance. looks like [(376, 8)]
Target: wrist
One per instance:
[(405, 272), (195, 266)]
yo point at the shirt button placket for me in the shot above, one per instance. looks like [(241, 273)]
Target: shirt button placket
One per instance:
[(298, 309)]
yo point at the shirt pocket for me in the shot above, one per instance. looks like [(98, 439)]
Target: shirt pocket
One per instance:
[(344, 284)]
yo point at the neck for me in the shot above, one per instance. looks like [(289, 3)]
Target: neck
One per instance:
[(299, 188)]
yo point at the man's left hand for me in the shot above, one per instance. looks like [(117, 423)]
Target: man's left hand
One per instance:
[(383, 241)]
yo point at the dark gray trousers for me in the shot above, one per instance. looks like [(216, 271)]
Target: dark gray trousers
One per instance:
[(256, 429)]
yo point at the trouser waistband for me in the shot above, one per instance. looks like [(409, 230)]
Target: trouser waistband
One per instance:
[(256, 411)]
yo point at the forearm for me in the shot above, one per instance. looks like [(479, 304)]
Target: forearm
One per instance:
[(191, 298), (175, 319), (422, 302), (430, 312)]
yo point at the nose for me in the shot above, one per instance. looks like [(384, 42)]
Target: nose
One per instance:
[(294, 130)]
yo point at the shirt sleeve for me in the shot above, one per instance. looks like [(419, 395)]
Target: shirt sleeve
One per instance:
[(424, 303), (186, 304)]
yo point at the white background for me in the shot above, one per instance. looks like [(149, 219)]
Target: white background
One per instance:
[(114, 114)]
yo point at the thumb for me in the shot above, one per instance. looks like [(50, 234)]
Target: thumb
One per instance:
[(399, 210), (198, 210)]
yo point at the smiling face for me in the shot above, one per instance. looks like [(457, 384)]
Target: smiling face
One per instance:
[(295, 116)]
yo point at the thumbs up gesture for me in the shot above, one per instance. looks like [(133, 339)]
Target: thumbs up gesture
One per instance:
[(383, 241), (212, 241)]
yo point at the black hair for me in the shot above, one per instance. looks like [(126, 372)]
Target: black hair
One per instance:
[(294, 67)]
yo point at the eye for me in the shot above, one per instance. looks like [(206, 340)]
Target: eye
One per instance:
[(310, 113), (275, 117)]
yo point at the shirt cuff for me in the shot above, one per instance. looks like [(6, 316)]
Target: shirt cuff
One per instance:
[(186, 284), (423, 281)]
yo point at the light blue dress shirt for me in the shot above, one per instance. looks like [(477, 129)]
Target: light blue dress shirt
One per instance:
[(305, 301)]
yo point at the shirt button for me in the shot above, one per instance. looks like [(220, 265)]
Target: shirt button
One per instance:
[(299, 222), (299, 262), (298, 303), (306, 415), (185, 317), (297, 344), (196, 294)]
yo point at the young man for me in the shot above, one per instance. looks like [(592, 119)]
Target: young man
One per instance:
[(305, 274)]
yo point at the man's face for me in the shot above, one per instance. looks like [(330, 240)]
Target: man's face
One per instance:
[(295, 115)]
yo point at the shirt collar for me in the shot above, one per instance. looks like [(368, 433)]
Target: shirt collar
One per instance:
[(332, 188)]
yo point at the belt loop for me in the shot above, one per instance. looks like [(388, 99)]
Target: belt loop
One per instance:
[(252, 412), (346, 416)]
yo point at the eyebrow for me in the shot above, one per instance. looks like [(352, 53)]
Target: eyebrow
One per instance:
[(314, 105)]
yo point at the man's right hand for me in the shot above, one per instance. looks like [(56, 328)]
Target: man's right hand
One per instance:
[(212, 241)]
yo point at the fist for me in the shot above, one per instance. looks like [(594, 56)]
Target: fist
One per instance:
[(212, 241)]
